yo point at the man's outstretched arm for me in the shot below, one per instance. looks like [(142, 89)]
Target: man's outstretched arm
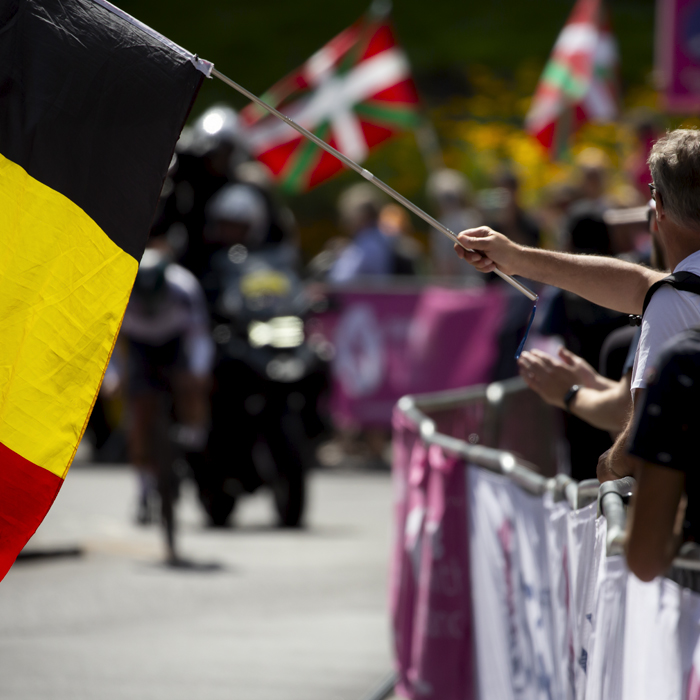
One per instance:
[(610, 282)]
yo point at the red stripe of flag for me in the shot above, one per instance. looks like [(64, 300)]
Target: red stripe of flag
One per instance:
[(26, 494)]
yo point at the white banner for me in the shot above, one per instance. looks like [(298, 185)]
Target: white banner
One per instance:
[(584, 563), (607, 642), (652, 659), (552, 617), (558, 562), (510, 591)]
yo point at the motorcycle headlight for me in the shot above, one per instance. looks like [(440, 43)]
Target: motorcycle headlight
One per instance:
[(280, 332), (285, 369)]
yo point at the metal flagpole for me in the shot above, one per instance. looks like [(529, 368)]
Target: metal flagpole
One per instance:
[(368, 176)]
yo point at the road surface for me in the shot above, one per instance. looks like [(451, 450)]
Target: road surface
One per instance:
[(265, 614)]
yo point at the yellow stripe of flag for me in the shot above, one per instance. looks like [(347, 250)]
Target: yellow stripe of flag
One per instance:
[(64, 286)]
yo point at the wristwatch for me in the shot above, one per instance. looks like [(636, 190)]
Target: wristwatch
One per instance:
[(569, 396)]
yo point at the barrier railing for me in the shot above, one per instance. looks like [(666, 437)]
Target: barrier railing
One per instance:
[(612, 496), (492, 399), (474, 427)]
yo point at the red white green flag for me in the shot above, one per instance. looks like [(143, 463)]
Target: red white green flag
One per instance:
[(354, 93), (579, 82)]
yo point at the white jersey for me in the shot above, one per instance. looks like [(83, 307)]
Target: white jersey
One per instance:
[(182, 313), (669, 312)]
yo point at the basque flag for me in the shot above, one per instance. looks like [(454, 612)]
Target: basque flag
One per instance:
[(354, 93), (92, 105), (579, 82)]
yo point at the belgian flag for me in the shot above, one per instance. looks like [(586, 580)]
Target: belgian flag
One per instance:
[(91, 105)]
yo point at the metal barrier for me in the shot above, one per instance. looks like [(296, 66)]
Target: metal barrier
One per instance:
[(486, 427), (612, 496)]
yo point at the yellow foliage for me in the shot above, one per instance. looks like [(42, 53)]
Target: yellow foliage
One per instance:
[(484, 133)]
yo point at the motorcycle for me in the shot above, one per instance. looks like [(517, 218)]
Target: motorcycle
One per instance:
[(269, 380)]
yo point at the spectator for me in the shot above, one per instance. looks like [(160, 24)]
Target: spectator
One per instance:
[(557, 200), (395, 223), (618, 284), (370, 252), (598, 400), (664, 444), (593, 166), (450, 192), (603, 401), (583, 326), (510, 218)]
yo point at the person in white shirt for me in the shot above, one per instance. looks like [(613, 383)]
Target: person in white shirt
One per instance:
[(674, 162)]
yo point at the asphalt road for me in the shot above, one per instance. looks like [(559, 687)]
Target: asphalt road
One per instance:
[(265, 614)]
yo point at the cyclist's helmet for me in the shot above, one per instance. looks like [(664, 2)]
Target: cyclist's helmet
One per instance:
[(150, 285)]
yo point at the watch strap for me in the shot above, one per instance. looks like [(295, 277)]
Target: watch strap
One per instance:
[(569, 396)]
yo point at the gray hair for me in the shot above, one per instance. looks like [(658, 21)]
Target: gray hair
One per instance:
[(674, 162)]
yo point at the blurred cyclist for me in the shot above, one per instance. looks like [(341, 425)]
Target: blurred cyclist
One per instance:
[(169, 355)]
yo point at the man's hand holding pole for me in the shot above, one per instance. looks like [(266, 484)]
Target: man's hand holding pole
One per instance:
[(490, 250), (616, 284)]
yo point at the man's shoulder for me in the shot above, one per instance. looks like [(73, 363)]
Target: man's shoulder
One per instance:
[(668, 297)]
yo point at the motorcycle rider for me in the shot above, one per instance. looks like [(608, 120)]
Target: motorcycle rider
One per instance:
[(209, 155), (169, 353), (265, 379)]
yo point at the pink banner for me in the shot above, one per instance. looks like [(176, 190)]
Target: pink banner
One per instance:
[(389, 344), (678, 54), (429, 585)]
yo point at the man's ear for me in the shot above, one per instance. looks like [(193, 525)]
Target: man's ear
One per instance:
[(660, 211)]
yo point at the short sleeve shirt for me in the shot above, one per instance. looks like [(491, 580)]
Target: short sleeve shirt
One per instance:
[(669, 312), (667, 425)]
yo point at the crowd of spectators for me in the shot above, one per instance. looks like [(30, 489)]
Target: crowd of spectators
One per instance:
[(655, 429)]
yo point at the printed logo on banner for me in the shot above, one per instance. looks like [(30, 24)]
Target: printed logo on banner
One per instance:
[(361, 357), (583, 657), (691, 22), (518, 668), (524, 674)]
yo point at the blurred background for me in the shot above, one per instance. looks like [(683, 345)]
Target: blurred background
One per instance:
[(475, 66), (225, 530)]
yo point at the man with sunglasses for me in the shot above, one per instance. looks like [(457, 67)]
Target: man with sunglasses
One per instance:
[(674, 162)]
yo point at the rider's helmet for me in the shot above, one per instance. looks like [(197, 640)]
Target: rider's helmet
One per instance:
[(217, 136), (239, 214), (150, 286)]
